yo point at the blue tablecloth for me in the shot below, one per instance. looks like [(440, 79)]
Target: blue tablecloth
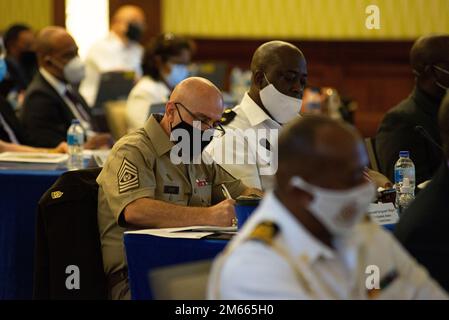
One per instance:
[(145, 253), (20, 191)]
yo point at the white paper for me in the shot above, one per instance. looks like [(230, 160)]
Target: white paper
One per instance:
[(383, 213), (33, 157), (197, 232), (100, 156)]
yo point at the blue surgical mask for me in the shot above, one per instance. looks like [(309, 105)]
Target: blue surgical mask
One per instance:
[(3, 69), (178, 73)]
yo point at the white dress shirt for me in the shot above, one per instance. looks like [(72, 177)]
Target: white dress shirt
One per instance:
[(8, 130), (109, 54), (308, 269), (146, 92), (258, 167), (61, 88)]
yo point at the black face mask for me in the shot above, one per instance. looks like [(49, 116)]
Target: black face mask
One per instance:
[(135, 32), (28, 59), (194, 133)]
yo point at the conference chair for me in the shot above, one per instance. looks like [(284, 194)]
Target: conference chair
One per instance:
[(116, 118), (68, 259), (187, 281), (370, 144)]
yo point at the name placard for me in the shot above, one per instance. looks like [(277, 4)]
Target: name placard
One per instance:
[(383, 213)]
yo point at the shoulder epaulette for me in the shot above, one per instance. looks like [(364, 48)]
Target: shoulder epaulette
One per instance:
[(264, 232), (227, 117)]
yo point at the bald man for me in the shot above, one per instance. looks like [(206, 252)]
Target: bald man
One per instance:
[(52, 100), (308, 239), (405, 127), (154, 178), (279, 76), (119, 51)]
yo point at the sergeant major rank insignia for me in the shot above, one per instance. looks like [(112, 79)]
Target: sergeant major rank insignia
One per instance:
[(128, 176)]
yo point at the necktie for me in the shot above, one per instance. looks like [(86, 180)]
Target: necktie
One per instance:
[(79, 107)]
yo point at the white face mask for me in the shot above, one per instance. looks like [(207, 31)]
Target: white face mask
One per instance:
[(74, 71), (338, 210), (282, 107)]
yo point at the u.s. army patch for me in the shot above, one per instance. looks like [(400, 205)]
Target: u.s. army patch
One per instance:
[(128, 176)]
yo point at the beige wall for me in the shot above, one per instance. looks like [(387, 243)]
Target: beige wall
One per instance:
[(304, 19), (36, 13)]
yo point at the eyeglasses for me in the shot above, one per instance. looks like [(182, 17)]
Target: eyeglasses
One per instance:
[(216, 126), (441, 69)]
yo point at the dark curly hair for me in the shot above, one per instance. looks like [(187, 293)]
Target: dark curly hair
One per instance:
[(165, 46), (12, 34)]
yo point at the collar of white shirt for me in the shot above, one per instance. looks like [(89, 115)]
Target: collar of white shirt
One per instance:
[(253, 112), (298, 239), (115, 40), (61, 88), (57, 84)]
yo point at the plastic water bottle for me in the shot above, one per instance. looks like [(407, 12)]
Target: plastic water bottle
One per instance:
[(406, 196), (75, 141), (404, 178)]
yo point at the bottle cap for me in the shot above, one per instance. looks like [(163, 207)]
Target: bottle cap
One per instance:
[(404, 154)]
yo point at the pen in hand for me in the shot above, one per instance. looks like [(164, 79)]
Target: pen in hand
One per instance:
[(228, 196), (226, 193)]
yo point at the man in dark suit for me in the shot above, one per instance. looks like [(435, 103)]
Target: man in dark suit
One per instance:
[(10, 128), (423, 228), (12, 136), (398, 132), (52, 100)]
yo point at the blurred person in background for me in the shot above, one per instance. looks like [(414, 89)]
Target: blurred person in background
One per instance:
[(119, 51), (20, 45), (12, 135), (165, 64), (309, 238), (52, 100), (423, 227), (398, 131)]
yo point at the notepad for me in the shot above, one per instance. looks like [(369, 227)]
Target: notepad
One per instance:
[(33, 157), (195, 232)]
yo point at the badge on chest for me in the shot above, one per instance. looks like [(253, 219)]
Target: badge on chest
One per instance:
[(201, 183)]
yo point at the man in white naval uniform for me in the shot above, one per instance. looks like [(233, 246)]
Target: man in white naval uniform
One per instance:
[(279, 75), (309, 238)]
